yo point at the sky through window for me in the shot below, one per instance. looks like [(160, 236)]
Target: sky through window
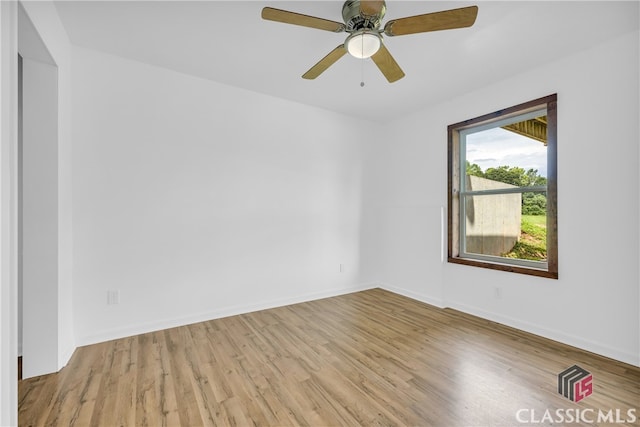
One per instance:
[(499, 147)]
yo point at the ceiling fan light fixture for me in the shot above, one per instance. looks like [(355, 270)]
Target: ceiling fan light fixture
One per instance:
[(362, 21), (363, 44)]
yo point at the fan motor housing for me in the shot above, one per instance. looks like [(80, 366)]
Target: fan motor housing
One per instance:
[(355, 20)]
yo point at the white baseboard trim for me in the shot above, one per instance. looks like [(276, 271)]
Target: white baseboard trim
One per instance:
[(552, 334), (141, 328), (610, 352), (427, 299), (65, 356)]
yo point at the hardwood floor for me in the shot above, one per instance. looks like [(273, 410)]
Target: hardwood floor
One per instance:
[(367, 358)]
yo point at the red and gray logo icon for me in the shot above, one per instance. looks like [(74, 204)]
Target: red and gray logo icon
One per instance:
[(575, 383)]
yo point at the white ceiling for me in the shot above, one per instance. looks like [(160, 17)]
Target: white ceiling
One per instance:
[(228, 42)]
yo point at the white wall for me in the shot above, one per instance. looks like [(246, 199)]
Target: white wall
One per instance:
[(595, 303), (46, 22), (39, 218), (197, 200), (8, 213)]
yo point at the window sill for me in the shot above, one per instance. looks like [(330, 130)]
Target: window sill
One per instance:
[(504, 267)]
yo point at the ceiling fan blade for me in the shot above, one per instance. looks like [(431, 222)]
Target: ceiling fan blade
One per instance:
[(445, 20), (387, 64), (371, 7), (294, 18), (325, 63)]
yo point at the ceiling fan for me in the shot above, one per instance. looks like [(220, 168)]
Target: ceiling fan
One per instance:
[(362, 19)]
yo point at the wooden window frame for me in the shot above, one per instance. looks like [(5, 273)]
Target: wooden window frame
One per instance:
[(453, 184)]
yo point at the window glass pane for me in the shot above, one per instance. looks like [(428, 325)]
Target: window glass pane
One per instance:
[(496, 225), (514, 153)]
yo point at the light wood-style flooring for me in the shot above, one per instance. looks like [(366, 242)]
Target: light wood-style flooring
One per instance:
[(370, 358)]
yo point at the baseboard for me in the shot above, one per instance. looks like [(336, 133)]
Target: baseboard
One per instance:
[(437, 302), (532, 328), (552, 334), (613, 353), (141, 328), (65, 356)]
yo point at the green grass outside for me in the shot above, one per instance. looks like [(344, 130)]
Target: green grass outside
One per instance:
[(533, 239), (539, 220)]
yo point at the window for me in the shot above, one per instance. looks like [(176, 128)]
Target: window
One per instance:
[(502, 189)]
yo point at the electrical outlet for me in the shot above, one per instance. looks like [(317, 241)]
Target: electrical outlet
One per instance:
[(113, 297)]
